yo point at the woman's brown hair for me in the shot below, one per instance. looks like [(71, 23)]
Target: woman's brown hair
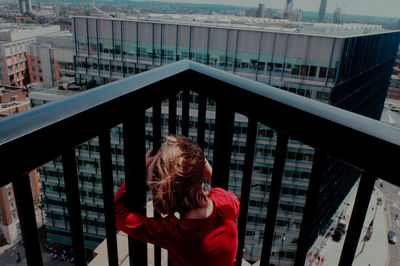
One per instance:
[(177, 176)]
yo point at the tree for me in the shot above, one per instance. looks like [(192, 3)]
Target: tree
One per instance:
[(29, 14)]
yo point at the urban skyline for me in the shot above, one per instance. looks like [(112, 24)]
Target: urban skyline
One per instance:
[(384, 8)]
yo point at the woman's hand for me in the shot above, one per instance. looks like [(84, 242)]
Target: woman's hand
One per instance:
[(149, 159), (207, 171)]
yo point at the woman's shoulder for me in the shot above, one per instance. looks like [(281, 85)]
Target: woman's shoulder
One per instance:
[(226, 203)]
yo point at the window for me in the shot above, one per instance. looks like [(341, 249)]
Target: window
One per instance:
[(313, 71), (12, 206), (331, 73), (304, 70), (295, 69), (9, 194), (14, 216), (270, 66), (322, 72), (278, 67), (250, 233)]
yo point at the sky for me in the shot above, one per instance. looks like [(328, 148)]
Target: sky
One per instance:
[(382, 8)]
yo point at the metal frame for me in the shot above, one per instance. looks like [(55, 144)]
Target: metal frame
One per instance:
[(39, 135)]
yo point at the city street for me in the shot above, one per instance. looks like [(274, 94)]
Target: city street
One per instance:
[(370, 251), (8, 253), (8, 257), (392, 207)]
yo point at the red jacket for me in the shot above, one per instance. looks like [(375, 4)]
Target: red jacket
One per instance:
[(209, 241)]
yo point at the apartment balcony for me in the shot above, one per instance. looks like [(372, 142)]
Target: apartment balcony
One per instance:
[(31, 139)]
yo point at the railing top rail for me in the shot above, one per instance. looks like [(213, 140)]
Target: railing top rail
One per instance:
[(41, 133)]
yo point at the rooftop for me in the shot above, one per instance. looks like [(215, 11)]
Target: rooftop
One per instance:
[(10, 32), (265, 24), (52, 94)]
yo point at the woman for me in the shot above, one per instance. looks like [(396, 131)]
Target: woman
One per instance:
[(197, 227)]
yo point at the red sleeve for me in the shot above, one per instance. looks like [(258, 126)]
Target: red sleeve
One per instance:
[(136, 225), (227, 203)]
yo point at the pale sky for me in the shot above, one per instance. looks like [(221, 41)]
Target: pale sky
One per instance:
[(383, 8)]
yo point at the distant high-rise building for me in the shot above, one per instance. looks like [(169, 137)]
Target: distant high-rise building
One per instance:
[(25, 6), (261, 11), (322, 10), (298, 14), (337, 16), (288, 8)]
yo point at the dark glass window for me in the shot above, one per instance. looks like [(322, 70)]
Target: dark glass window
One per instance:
[(322, 72), (313, 71), (295, 69), (304, 70)]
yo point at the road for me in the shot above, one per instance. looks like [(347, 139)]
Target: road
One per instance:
[(8, 257), (392, 207)]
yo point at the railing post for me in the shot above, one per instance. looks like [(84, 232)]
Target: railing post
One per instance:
[(310, 207), (222, 144), (156, 147), (246, 183), (172, 114), (108, 195), (363, 197), (273, 200), (135, 176), (27, 220), (185, 111), (74, 206), (201, 120)]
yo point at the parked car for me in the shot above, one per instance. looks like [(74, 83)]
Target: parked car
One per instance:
[(340, 230), (337, 235), (341, 227), (392, 237)]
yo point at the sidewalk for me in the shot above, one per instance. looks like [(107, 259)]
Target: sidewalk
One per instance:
[(373, 252)]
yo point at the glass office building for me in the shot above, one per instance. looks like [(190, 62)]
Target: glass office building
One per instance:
[(344, 65)]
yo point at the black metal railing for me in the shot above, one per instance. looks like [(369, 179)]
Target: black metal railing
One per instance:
[(29, 140)]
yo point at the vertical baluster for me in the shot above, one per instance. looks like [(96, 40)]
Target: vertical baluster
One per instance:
[(27, 220), (201, 120), (156, 147), (310, 207), (185, 112), (156, 127), (172, 114), (108, 196), (273, 200), (222, 144), (360, 209), (74, 206), (135, 176), (246, 182)]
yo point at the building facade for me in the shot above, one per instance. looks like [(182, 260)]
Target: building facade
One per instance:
[(50, 59), (13, 100), (316, 61), (14, 42), (394, 87), (25, 6)]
